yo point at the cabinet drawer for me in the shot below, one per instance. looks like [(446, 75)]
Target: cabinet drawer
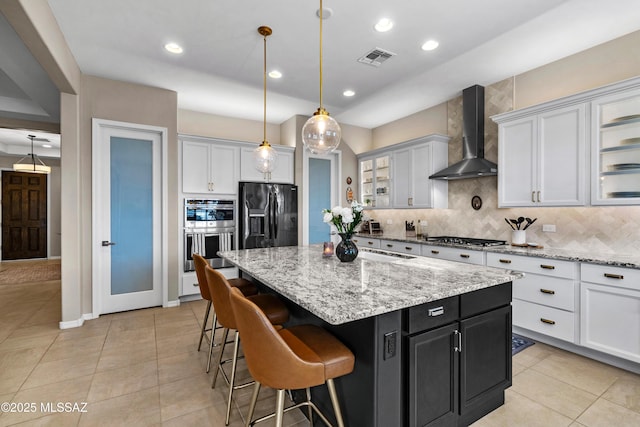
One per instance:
[(361, 242), (545, 320), (454, 254), (536, 265), (404, 247), (432, 314), (551, 291), (190, 284), (610, 275), (482, 300)]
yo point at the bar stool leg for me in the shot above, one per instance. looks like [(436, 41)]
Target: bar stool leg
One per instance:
[(213, 336), (279, 407), (204, 325), (334, 400), (309, 408), (216, 368), (232, 380), (252, 404)]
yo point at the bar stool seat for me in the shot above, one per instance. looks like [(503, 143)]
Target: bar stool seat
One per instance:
[(271, 307), (246, 287), (299, 357)]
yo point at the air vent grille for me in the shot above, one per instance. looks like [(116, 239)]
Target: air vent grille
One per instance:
[(376, 57)]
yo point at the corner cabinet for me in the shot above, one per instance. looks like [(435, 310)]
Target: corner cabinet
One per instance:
[(616, 141), (542, 157), (209, 168), (398, 176)]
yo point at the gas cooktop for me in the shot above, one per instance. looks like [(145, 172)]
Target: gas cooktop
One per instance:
[(465, 241)]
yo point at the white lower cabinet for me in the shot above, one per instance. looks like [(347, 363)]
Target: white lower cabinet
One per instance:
[(403, 247), (190, 281), (545, 300), (467, 256), (362, 242), (610, 310)]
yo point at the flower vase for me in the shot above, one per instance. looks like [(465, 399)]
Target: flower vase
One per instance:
[(346, 250)]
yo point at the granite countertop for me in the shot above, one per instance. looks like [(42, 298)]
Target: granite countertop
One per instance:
[(340, 292), (618, 260)]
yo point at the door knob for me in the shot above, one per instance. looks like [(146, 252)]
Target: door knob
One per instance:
[(107, 243)]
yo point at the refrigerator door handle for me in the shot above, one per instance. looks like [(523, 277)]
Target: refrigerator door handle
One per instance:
[(246, 222), (275, 216)]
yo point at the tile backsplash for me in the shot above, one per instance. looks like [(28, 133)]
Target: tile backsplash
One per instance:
[(609, 229)]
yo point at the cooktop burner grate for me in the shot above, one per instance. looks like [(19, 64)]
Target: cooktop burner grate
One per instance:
[(465, 241)]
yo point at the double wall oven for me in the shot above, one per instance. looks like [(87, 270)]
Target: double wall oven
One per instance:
[(209, 227)]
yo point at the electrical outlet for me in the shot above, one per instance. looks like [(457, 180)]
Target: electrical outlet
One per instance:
[(549, 228), (389, 222), (390, 344)]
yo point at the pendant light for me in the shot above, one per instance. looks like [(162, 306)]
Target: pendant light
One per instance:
[(33, 167), (321, 133), (265, 157)]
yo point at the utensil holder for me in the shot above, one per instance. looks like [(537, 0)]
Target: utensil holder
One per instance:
[(518, 237)]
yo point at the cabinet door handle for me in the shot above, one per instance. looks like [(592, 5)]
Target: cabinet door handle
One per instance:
[(538, 197), (410, 201), (389, 245), (548, 291), (464, 256), (435, 252), (614, 276), (458, 338), (408, 248), (533, 196), (547, 321), (547, 267), (195, 285), (505, 261), (436, 311)]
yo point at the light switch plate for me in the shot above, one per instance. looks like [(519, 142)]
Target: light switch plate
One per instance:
[(549, 228)]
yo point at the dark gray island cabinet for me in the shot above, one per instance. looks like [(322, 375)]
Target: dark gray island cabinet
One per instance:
[(432, 338)]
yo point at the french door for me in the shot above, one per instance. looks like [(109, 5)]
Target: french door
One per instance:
[(129, 269)]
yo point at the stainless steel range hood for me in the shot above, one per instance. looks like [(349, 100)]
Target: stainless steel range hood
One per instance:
[(473, 163)]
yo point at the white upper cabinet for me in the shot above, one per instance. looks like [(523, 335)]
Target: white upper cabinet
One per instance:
[(283, 172), (375, 180), (209, 168)]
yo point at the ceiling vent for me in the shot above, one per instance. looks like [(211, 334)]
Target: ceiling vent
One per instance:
[(376, 57)]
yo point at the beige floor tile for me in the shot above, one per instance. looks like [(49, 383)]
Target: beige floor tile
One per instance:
[(177, 367), (561, 397), (117, 338), (534, 354), (179, 327), (16, 366), (118, 382), (188, 395), (62, 370), (576, 424), (607, 414), (516, 368), (67, 348), (47, 316), (125, 355), (184, 343), (133, 323), (74, 391), (209, 416), (141, 408), (87, 330), (521, 411), (36, 330), (26, 342), (625, 392), (587, 374), (59, 419)]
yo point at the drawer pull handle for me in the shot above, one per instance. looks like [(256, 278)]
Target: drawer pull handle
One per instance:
[(505, 261), (370, 243), (196, 285), (464, 256), (547, 321), (435, 252), (547, 267), (409, 248), (389, 245), (436, 311), (548, 291), (614, 276)]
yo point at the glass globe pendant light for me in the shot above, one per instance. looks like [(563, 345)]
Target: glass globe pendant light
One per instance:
[(265, 157), (321, 133)]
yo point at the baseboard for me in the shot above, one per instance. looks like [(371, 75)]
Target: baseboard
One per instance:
[(72, 323), (174, 303)]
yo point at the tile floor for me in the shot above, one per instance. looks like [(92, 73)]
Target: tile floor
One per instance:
[(141, 368)]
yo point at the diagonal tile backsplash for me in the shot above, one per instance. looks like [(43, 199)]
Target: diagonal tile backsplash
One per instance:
[(610, 229)]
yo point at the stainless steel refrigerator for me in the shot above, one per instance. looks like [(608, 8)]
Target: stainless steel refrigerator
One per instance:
[(268, 215)]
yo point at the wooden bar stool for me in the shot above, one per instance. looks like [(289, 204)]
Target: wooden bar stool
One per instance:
[(302, 356), (246, 287), (269, 305)]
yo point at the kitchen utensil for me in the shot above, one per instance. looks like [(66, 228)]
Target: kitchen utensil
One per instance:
[(510, 225), (520, 221), (529, 222), (514, 222)]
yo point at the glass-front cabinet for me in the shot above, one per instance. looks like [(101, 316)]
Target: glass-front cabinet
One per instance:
[(375, 181), (616, 159)]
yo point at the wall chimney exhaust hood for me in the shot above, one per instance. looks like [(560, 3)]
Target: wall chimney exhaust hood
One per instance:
[(473, 163)]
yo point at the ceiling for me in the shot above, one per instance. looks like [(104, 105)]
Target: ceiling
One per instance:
[(220, 70)]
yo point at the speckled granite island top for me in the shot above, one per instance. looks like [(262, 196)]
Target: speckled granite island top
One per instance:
[(340, 292)]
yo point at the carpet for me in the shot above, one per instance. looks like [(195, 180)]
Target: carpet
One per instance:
[(16, 272), (519, 343)]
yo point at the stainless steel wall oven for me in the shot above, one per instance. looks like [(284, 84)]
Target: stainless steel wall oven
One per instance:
[(209, 227)]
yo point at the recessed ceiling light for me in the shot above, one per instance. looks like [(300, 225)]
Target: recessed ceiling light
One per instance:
[(430, 45), (348, 92), (383, 25), (275, 74), (46, 145), (173, 48)]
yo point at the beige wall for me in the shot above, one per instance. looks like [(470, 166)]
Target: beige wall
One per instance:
[(112, 100), (425, 122)]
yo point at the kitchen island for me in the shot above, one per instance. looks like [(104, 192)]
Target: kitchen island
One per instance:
[(432, 338)]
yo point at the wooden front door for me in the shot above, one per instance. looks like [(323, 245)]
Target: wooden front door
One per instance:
[(24, 215)]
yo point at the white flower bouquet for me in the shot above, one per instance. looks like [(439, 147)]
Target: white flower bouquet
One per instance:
[(345, 219)]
